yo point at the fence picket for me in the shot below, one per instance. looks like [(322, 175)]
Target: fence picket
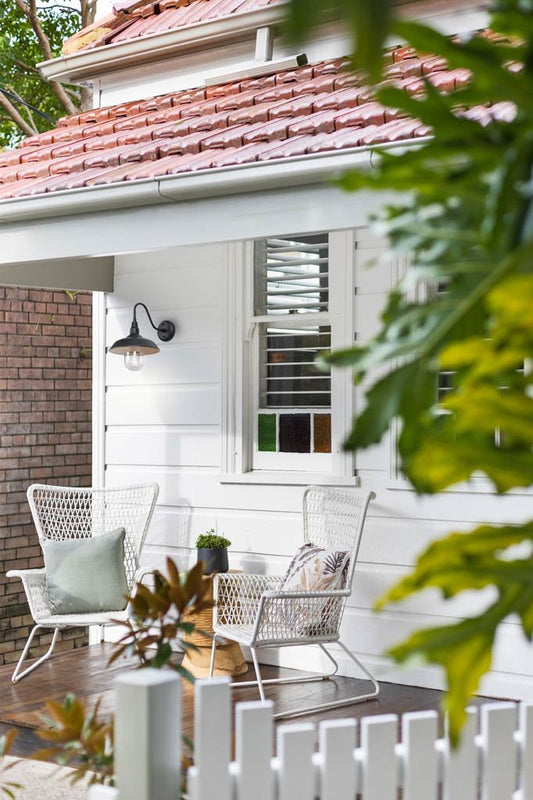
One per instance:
[(338, 776), (525, 739), (210, 775), (296, 777), (461, 765), (499, 751), (148, 746), (378, 757), (420, 757), (253, 748)]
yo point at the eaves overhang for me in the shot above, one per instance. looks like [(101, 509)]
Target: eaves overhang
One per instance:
[(256, 177), (87, 64)]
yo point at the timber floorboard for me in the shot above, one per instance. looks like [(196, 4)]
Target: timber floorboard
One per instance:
[(84, 672)]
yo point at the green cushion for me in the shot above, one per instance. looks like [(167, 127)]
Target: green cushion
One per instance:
[(86, 575)]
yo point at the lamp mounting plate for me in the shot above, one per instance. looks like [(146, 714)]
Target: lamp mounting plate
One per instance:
[(166, 330)]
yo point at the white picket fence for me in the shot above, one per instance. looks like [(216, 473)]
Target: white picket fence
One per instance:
[(494, 761)]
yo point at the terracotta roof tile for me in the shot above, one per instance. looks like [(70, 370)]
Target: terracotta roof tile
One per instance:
[(314, 109), (135, 20)]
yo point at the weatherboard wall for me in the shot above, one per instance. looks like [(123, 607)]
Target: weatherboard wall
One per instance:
[(165, 423)]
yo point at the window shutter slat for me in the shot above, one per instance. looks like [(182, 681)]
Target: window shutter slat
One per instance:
[(291, 275)]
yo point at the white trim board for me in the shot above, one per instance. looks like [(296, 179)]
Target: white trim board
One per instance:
[(93, 274), (190, 222)]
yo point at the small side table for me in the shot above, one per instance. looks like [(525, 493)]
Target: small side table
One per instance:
[(229, 660)]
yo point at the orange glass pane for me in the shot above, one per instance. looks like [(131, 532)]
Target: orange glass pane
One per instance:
[(322, 434)]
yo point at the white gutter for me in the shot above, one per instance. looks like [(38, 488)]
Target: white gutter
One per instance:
[(88, 64), (256, 177)]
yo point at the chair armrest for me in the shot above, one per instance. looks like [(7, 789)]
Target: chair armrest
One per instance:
[(139, 575), (25, 574), (300, 616), (34, 583), (237, 596)]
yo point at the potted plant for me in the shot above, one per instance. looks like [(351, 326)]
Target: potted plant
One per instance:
[(213, 551)]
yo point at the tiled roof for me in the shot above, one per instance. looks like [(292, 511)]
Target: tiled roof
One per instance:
[(313, 109), (132, 20)]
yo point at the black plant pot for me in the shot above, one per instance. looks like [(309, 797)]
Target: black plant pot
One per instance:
[(215, 559)]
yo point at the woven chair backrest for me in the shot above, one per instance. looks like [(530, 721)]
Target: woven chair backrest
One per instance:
[(334, 519), (64, 513)]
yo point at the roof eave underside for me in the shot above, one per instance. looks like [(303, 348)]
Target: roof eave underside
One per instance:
[(89, 225)]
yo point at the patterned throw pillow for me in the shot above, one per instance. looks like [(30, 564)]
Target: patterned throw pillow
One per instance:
[(316, 569)]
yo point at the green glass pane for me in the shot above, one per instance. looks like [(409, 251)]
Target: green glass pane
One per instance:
[(266, 433)]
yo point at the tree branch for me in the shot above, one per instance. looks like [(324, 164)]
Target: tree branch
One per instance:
[(30, 12), (88, 12), (14, 115)]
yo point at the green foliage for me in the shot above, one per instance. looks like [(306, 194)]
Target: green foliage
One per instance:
[(465, 219), (156, 617), (8, 788), (211, 541), (79, 736), (20, 52)]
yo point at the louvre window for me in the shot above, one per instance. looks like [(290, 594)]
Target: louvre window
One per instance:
[(291, 285), (291, 275)]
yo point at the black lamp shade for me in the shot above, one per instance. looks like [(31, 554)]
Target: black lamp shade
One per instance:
[(136, 344)]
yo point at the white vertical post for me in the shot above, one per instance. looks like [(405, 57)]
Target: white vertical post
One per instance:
[(420, 758), (99, 792), (525, 738), (148, 735), (461, 765), (337, 759), (378, 741), (210, 775), (296, 779), (253, 748), (499, 751)]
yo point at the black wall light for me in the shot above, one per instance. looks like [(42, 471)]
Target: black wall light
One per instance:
[(135, 346)]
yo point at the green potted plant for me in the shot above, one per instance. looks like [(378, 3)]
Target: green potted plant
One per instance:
[(212, 550)]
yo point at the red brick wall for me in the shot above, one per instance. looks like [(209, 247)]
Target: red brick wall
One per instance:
[(45, 432)]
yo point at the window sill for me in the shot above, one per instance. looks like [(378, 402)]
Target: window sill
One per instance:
[(258, 477)]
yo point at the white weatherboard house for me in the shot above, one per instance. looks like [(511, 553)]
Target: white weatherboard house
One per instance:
[(201, 189)]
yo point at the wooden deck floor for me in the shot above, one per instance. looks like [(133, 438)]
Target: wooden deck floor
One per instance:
[(85, 673)]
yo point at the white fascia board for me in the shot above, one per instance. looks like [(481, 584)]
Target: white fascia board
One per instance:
[(87, 64), (256, 177)]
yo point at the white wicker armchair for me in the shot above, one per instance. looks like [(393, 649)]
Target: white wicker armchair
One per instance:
[(251, 609), (61, 513)]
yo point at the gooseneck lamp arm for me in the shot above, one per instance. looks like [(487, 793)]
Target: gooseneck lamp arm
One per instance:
[(134, 347), (165, 330)]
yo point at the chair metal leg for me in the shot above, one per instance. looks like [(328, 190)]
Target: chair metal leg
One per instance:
[(17, 674), (213, 654), (300, 712), (258, 674), (359, 698)]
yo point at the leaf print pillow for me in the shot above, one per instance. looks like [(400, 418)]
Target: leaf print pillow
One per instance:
[(314, 569)]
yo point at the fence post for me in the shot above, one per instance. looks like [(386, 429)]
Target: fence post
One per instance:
[(148, 735)]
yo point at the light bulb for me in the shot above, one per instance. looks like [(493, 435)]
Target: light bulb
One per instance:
[(133, 361)]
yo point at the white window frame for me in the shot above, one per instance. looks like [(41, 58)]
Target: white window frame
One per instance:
[(240, 373)]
